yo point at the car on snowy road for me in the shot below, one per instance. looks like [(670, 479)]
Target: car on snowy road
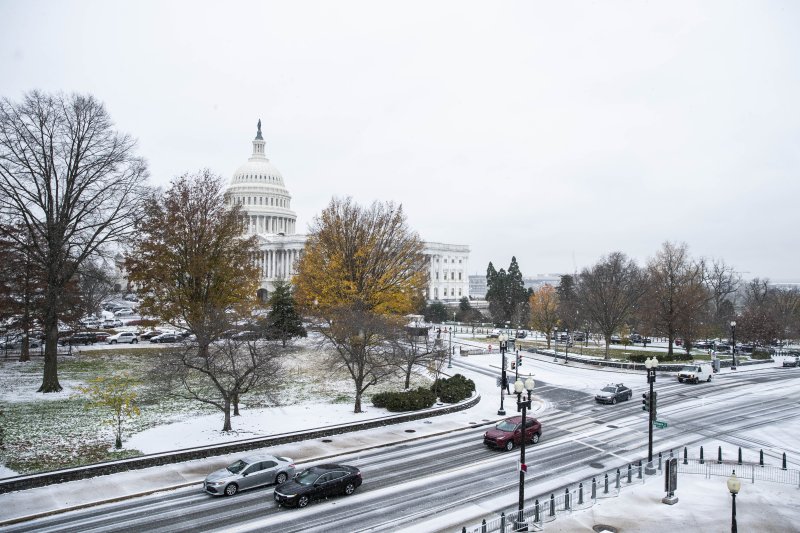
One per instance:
[(613, 393), (508, 433), (249, 472), (318, 482)]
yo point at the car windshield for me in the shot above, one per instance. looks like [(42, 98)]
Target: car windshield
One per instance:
[(688, 369), (237, 467), (307, 477), (609, 389), (505, 425)]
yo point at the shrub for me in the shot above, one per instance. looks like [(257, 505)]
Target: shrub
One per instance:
[(454, 389), (761, 353), (412, 400)]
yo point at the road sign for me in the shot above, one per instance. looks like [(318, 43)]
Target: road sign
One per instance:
[(660, 424)]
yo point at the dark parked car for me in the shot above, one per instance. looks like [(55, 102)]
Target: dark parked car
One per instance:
[(165, 338), (249, 472), (84, 337), (318, 482), (508, 433), (522, 334), (613, 393), (147, 335)]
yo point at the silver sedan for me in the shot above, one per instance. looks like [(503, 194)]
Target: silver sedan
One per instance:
[(249, 472)]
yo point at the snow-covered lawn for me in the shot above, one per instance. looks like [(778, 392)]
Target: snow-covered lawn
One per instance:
[(49, 431)]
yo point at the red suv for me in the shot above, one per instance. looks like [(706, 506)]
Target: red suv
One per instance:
[(509, 432)]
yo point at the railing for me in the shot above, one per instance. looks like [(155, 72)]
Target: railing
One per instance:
[(609, 484)]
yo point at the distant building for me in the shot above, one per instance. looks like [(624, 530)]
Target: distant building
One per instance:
[(259, 188)]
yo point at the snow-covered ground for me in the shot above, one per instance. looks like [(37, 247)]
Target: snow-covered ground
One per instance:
[(704, 503)]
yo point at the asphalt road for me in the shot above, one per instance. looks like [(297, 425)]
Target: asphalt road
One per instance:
[(409, 483)]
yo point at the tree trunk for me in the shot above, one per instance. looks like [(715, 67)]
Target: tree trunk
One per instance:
[(24, 349), (227, 425), (357, 408), (608, 346), (118, 443), (235, 405), (408, 377), (50, 379)]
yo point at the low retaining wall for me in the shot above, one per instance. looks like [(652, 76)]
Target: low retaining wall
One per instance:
[(145, 461), (662, 367)]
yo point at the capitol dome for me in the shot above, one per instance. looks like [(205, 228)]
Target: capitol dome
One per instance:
[(259, 188)]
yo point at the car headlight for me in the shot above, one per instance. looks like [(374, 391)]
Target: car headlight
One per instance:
[(215, 483)]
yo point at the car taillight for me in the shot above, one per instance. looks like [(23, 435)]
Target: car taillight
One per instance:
[(358, 475), (291, 465)]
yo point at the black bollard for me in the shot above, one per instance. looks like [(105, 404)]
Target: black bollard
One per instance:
[(701, 455), (784, 461), (618, 484), (719, 456), (464, 529), (630, 470), (605, 490), (594, 489), (552, 504), (580, 493), (566, 498), (671, 455), (639, 475), (535, 511), (483, 526), (659, 461), (740, 455), (761, 458), (685, 456), (502, 521)]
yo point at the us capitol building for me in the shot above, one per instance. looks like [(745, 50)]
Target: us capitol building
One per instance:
[(259, 188)]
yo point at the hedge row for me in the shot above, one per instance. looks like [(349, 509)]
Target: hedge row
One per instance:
[(412, 400), (662, 358), (451, 390)]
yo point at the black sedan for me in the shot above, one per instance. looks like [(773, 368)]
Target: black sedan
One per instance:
[(614, 393), (318, 482)]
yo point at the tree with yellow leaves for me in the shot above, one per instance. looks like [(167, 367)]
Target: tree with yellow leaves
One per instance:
[(544, 310), (362, 270), (117, 394)]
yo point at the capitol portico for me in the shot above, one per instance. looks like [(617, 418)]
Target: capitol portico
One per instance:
[(259, 188)]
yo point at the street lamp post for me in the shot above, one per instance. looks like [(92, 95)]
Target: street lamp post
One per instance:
[(733, 486), (450, 341), (502, 340), (522, 404), (733, 346), (555, 344), (651, 364), (566, 349)]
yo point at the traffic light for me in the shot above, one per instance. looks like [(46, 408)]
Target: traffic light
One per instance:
[(647, 400), (513, 365), (519, 360), (655, 403)]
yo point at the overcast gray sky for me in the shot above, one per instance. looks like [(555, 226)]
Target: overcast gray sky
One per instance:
[(554, 131)]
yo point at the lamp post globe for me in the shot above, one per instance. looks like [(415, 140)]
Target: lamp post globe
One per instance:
[(733, 486)]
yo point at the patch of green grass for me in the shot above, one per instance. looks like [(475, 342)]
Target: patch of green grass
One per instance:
[(342, 398)]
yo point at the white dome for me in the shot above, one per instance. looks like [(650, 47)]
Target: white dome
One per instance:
[(258, 187)]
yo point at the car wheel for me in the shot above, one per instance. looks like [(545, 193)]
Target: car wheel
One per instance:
[(231, 489), (281, 478), (350, 489), (709, 379), (113, 342), (614, 400), (134, 341), (680, 380), (536, 438), (509, 445), (303, 501)]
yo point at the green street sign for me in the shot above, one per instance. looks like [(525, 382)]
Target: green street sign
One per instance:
[(660, 424)]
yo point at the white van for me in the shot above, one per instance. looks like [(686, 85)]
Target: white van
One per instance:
[(695, 373)]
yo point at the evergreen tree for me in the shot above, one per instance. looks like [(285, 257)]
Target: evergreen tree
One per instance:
[(283, 321)]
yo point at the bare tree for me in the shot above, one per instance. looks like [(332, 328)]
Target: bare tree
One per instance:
[(676, 297), (608, 292), (94, 285), (411, 350), (723, 282), (73, 184), (220, 374), (363, 348)]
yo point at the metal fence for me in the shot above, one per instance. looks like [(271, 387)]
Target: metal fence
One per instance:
[(609, 484)]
